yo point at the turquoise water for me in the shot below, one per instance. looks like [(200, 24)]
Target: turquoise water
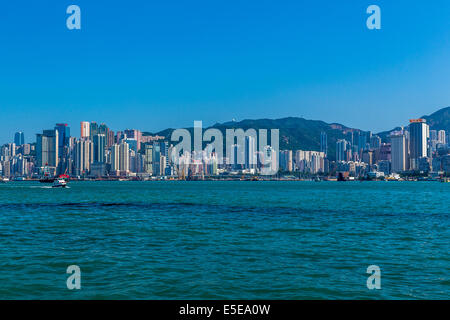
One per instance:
[(225, 240)]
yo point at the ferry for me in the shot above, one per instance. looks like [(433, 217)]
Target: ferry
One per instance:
[(59, 183), (46, 178)]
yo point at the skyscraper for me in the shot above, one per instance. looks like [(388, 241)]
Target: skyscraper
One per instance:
[(124, 157), (324, 143), (83, 156), (418, 135), (440, 137), (63, 145), (136, 135), (148, 159), (341, 150), (250, 153), (115, 158), (85, 129), (93, 130), (99, 148), (47, 148), (19, 138), (156, 159)]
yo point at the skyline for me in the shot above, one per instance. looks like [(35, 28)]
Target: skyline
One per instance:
[(166, 65), (76, 131)]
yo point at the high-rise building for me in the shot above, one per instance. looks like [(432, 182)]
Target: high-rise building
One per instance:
[(115, 158), (324, 143), (84, 150), (341, 150), (250, 160), (156, 159), (399, 154), (99, 148), (148, 159), (63, 138), (440, 137), (136, 135), (103, 129), (93, 130), (124, 157), (19, 138), (418, 136), (47, 149), (286, 160), (375, 142), (110, 139), (85, 129)]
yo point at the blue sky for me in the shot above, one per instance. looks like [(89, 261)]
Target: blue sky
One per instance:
[(150, 65)]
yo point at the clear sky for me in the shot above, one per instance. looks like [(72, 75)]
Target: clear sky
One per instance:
[(150, 64)]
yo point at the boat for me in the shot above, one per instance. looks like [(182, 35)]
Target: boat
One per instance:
[(46, 178), (4, 180), (59, 183)]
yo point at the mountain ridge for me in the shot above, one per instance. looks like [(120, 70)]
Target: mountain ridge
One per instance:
[(298, 133)]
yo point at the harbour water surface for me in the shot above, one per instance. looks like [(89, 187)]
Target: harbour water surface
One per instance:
[(225, 240)]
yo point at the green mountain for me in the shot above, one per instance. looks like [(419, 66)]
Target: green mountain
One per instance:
[(295, 133), (303, 134)]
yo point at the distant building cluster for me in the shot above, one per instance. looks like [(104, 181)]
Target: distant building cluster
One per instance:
[(415, 149), (102, 153)]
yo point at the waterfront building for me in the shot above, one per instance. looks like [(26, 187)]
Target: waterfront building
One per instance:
[(250, 160), (418, 131), (398, 152), (47, 149), (269, 161), (286, 160), (63, 145), (385, 167), (99, 142), (124, 157), (115, 158), (424, 164), (156, 159), (148, 158), (84, 150)]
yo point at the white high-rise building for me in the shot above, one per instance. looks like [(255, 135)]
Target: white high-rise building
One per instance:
[(85, 129), (115, 159), (398, 152), (84, 150), (124, 157)]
